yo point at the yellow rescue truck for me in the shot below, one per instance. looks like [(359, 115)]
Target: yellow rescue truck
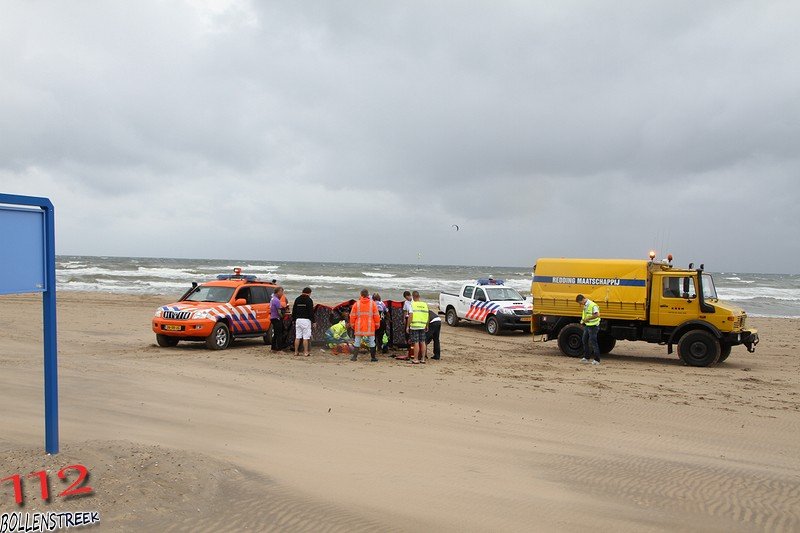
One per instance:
[(639, 300)]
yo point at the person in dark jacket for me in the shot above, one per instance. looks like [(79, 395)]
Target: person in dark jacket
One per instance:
[(276, 319), (379, 333), (434, 327), (303, 314)]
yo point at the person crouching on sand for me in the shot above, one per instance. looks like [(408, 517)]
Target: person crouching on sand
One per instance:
[(337, 338), (365, 319)]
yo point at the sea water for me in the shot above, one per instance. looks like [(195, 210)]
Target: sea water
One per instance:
[(758, 294)]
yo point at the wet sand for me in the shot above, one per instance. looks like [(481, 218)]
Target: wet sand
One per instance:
[(501, 434)]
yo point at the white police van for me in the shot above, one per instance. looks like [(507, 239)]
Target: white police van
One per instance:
[(488, 302)]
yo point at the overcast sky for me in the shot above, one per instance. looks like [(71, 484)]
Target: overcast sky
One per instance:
[(360, 131)]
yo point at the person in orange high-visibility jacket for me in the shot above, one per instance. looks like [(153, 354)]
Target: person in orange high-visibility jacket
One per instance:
[(364, 319)]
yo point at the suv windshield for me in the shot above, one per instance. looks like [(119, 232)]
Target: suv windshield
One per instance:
[(205, 293), (709, 291), (500, 294)]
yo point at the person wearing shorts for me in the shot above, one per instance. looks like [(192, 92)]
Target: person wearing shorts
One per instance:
[(303, 313), (417, 328), (406, 315)]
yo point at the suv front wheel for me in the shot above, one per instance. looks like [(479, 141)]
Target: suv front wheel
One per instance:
[(220, 337), (165, 341)]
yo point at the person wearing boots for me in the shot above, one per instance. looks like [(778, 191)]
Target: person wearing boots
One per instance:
[(364, 319)]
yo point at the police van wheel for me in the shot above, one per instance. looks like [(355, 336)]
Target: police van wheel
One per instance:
[(492, 326), (165, 341), (268, 337), (606, 343), (451, 317), (220, 337), (725, 351), (698, 348), (570, 340)]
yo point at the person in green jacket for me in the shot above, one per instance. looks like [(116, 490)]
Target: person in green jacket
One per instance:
[(590, 319), (338, 339)]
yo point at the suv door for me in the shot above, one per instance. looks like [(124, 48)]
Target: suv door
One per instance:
[(259, 301)]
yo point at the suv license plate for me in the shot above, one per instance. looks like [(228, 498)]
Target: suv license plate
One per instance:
[(526, 319), (168, 327)]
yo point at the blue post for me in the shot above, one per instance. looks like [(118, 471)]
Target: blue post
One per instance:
[(50, 344), (33, 269)]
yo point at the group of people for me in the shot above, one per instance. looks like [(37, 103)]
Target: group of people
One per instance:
[(422, 326), (368, 321), (302, 314)]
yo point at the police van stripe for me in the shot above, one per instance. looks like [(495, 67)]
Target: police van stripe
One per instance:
[(569, 280), (478, 311)]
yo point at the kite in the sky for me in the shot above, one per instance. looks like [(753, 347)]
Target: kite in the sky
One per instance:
[(455, 226)]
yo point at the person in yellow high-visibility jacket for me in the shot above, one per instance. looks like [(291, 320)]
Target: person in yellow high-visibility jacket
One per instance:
[(417, 328), (590, 319)]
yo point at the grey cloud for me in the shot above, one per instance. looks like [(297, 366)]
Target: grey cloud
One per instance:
[(500, 116)]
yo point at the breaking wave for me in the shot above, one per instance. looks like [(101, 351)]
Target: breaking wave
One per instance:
[(758, 294)]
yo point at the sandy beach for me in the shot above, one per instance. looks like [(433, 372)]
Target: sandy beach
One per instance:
[(501, 434)]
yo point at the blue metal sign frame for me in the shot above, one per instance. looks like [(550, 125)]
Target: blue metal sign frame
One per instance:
[(48, 311)]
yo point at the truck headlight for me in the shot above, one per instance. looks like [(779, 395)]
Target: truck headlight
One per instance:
[(200, 315), (504, 311)]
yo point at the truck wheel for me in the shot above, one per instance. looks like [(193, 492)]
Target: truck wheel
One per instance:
[(451, 317), (492, 325), (220, 337), (165, 341), (725, 351), (698, 348), (570, 340), (268, 337), (606, 343)]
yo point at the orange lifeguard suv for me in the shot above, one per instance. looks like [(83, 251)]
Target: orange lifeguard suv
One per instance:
[(231, 307)]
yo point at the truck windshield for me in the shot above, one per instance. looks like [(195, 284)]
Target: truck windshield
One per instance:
[(500, 294), (709, 291), (204, 293)]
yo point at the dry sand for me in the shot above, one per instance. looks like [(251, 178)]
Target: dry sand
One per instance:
[(501, 434)]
